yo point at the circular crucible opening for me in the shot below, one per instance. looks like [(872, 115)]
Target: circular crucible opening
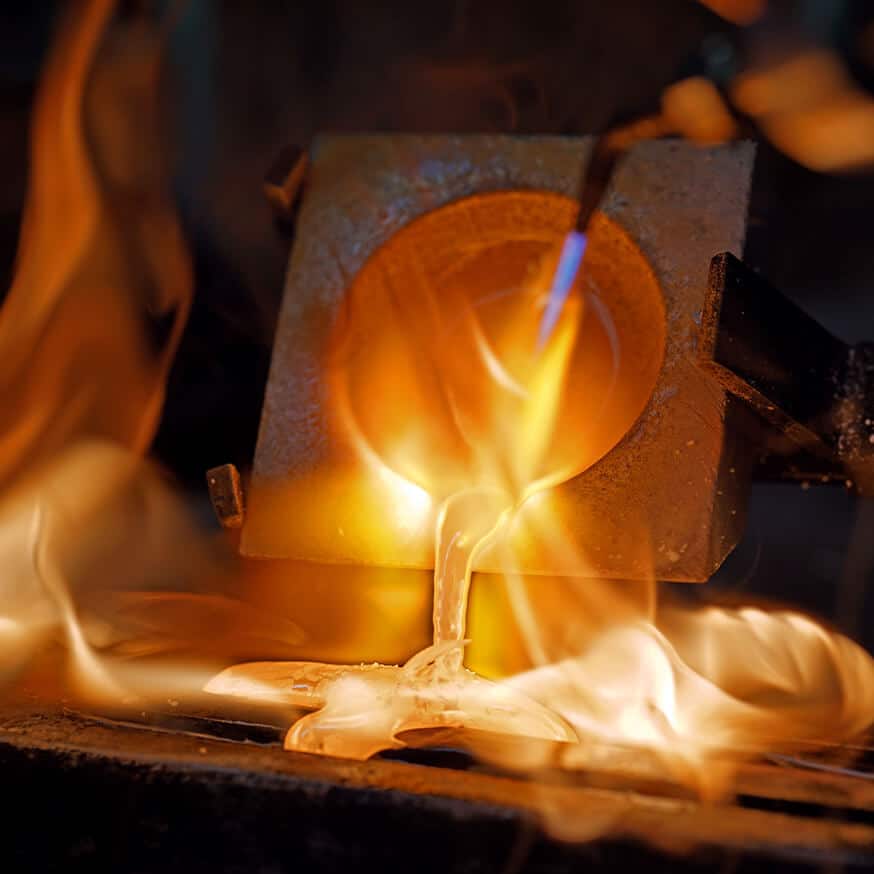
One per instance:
[(435, 357)]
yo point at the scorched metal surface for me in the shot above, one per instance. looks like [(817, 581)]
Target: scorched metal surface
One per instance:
[(83, 794), (675, 204)]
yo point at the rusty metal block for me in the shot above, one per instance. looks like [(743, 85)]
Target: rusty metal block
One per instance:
[(667, 499)]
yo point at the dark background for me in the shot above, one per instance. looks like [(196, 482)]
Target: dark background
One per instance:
[(246, 77)]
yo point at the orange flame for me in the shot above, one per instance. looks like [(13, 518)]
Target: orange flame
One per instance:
[(102, 283), (87, 335)]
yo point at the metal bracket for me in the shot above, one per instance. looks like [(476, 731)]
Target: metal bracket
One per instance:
[(226, 494), (816, 391)]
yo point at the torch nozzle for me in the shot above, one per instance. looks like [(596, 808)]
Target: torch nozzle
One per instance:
[(603, 161)]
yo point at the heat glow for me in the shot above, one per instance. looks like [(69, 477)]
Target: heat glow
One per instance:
[(462, 400), (458, 408)]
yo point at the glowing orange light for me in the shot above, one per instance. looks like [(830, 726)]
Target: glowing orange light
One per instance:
[(454, 412), (450, 392)]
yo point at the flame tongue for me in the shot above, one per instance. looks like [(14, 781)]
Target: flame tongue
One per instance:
[(732, 684), (77, 327), (475, 395), (504, 389), (87, 334)]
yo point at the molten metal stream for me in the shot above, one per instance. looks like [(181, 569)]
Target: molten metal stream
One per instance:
[(465, 524)]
